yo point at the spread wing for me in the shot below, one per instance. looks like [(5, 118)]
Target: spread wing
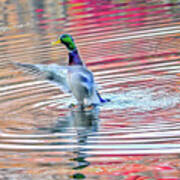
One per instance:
[(54, 73), (83, 76)]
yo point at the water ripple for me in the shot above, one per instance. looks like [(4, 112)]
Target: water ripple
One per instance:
[(132, 49)]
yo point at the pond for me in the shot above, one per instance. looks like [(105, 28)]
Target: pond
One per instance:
[(132, 48)]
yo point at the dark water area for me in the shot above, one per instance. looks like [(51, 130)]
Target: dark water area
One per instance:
[(133, 50)]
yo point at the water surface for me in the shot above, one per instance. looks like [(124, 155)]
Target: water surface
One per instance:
[(132, 47)]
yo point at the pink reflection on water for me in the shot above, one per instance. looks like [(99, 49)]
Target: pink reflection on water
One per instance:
[(39, 10)]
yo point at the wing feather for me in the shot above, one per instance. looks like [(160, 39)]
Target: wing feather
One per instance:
[(54, 73)]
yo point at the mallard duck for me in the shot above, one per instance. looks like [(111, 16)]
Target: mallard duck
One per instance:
[(74, 78)]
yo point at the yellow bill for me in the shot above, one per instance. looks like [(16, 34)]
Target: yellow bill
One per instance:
[(56, 42)]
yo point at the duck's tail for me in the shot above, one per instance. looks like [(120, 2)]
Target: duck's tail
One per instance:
[(101, 99)]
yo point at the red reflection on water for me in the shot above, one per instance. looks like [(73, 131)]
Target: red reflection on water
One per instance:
[(116, 59), (136, 167), (137, 177), (39, 10)]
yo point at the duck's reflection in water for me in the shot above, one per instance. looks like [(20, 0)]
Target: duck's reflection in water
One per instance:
[(84, 124)]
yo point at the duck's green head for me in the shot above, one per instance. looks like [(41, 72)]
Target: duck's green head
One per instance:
[(67, 40)]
